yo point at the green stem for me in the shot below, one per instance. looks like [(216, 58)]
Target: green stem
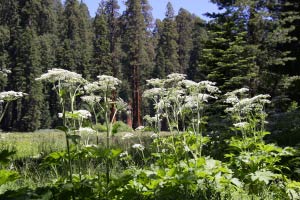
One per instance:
[(4, 111)]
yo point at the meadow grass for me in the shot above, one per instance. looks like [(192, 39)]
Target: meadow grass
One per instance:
[(43, 142), (33, 143)]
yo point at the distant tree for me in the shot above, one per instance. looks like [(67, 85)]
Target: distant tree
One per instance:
[(134, 44), (184, 22), (167, 47), (199, 39), (75, 51)]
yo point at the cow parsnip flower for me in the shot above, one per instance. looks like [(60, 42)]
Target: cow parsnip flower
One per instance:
[(91, 99), (128, 136), (106, 82), (85, 114), (57, 74), (241, 125), (138, 146), (11, 95), (86, 130)]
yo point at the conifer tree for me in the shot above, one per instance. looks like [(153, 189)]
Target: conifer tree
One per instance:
[(199, 38), (76, 38), (167, 48), (184, 21), (24, 115), (134, 43)]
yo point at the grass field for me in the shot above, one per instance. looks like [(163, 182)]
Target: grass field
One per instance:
[(32, 144), (46, 141)]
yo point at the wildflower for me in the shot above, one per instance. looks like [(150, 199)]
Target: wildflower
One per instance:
[(151, 120), (90, 145), (11, 95), (138, 146), (84, 114), (155, 82), (140, 128), (188, 83), (91, 99), (186, 148), (176, 76), (55, 74), (91, 87), (235, 92), (124, 154), (153, 92), (154, 135), (60, 115), (128, 136), (86, 130), (108, 82), (232, 100), (209, 86), (121, 104), (241, 124)]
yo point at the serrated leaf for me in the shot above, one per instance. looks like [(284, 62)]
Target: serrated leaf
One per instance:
[(263, 176), (236, 182)]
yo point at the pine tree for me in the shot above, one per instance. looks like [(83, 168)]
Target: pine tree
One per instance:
[(4, 56), (24, 115), (199, 39), (266, 32), (184, 21), (135, 45), (102, 56), (75, 51), (167, 48)]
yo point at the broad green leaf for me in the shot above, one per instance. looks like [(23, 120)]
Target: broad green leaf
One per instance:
[(263, 176), (8, 176)]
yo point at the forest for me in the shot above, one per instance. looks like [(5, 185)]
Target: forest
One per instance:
[(143, 108)]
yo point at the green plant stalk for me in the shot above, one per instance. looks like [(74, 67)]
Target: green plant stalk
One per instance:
[(108, 133), (67, 141), (4, 110)]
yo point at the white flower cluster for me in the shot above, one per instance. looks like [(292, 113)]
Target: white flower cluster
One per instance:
[(127, 136), (197, 101), (11, 95), (140, 128), (84, 114), (91, 87), (154, 93), (86, 130), (241, 125), (176, 76), (108, 82), (238, 91), (151, 120), (188, 83), (121, 104), (138, 147), (55, 74), (155, 82), (124, 154), (245, 105), (209, 86), (91, 99)]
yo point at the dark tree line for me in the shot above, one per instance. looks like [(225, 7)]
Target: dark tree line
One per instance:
[(252, 44)]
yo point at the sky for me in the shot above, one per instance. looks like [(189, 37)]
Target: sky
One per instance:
[(198, 7)]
